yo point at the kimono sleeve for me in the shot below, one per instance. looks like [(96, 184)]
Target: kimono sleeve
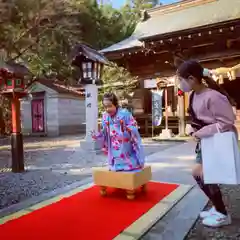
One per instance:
[(136, 140), (101, 137), (130, 122)]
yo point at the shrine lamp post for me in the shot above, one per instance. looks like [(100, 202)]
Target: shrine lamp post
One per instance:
[(90, 64), (12, 86)]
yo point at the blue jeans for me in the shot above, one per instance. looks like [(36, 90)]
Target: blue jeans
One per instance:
[(198, 153)]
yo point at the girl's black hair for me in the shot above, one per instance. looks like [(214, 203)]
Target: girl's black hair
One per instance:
[(194, 68), (111, 97)]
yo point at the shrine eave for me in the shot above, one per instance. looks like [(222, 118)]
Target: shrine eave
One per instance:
[(129, 43), (211, 28), (186, 17), (179, 18)]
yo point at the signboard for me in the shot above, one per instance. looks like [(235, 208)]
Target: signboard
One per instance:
[(150, 83), (157, 107)]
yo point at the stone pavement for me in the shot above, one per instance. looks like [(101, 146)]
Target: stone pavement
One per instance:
[(231, 196), (174, 165)]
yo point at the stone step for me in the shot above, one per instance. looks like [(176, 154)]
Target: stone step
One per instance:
[(177, 223)]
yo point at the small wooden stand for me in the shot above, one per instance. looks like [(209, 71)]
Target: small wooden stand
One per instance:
[(103, 191), (128, 181)]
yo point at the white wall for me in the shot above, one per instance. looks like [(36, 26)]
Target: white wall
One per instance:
[(26, 116), (72, 115), (51, 118)]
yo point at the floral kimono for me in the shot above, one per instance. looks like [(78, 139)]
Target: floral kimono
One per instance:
[(120, 139)]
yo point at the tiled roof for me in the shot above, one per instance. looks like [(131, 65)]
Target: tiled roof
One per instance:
[(18, 69), (61, 88), (180, 16), (125, 44), (94, 55)]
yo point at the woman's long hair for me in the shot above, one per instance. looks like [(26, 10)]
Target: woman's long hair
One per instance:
[(193, 68)]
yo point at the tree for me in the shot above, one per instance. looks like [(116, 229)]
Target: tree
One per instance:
[(41, 33), (118, 80)]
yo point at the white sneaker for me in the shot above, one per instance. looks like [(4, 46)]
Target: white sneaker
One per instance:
[(207, 213), (217, 220)]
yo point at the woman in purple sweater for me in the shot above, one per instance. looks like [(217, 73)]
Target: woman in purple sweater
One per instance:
[(211, 112)]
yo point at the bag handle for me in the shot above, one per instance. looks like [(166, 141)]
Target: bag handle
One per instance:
[(196, 123)]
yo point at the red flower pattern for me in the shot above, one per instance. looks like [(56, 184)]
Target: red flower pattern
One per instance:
[(105, 150)]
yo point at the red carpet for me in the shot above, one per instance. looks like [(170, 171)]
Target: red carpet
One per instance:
[(85, 216)]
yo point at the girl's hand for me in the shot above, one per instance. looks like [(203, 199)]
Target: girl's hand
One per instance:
[(195, 138), (128, 129), (105, 151), (197, 171), (94, 136), (189, 130)]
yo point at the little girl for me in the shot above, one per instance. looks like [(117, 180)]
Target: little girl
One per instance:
[(119, 137)]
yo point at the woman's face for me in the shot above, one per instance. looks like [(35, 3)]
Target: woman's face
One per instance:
[(187, 84), (109, 107)]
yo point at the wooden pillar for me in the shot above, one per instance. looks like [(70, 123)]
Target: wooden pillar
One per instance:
[(16, 125), (166, 108), (16, 137), (186, 103), (181, 115)]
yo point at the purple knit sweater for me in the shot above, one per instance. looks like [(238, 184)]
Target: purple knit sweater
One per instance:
[(213, 108)]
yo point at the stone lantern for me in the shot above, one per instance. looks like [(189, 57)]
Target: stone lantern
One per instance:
[(90, 64)]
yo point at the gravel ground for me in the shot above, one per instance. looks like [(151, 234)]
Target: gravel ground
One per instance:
[(63, 168), (51, 164), (232, 232), (17, 187)]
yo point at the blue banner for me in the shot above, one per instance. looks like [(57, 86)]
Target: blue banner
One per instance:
[(157, 107)]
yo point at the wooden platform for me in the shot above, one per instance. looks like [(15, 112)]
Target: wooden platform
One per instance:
[(129, 181)]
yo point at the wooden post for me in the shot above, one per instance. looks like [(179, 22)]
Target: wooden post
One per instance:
[(166, 108), (181, 115), (16, 137)]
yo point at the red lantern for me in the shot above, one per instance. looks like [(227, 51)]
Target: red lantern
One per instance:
[(180, 93)]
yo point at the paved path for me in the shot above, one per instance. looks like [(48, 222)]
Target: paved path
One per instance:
[(174, 165)]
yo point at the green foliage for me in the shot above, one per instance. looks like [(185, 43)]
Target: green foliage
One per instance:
[(41, 33), (118, 80)]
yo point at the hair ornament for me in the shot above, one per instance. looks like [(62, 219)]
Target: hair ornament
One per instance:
[(207, 72)]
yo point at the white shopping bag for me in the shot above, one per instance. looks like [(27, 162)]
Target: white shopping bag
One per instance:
[(221, 159)]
